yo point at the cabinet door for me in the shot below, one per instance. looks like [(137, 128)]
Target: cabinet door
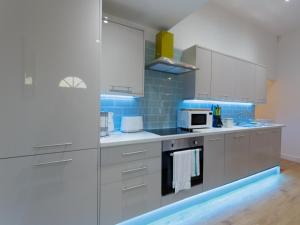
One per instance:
[(48, 79), (259, 151), (214, 162), (236, 156), (122, 70), (261, 85), (58, 189), (223, 79), (125, 199), (275, 149), (245, 75), (203, 75)]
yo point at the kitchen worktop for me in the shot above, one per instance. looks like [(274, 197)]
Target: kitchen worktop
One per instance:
[(119, 138)]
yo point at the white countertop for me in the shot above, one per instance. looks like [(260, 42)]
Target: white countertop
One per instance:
[(119, 139)]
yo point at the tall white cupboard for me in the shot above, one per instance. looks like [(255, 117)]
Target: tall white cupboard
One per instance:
[(49, 86)]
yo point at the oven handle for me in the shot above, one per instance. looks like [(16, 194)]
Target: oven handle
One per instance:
[(200, 150)]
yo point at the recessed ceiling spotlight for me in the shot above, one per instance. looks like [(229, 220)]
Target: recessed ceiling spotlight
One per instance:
[(287, 0)]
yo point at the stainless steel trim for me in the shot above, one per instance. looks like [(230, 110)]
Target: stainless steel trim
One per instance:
[(133, 187), (200, 150), (134, 153), (216, 139), (53, 162), (52, 146), (121, 89), (134, 170), (182, 143), (239, 136)]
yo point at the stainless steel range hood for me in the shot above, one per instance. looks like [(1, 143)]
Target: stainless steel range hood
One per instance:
[(167, 65)]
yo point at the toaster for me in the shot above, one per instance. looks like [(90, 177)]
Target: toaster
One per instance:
[(132, 124)]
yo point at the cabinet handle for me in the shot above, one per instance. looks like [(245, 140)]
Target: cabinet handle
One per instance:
[(121, 89), (203, 94), (53, 163), (133, 187), (52, 146), (216, 139), (134, 153), (239, 136), (134, 170)]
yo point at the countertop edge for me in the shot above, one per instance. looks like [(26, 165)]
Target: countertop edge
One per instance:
[(158, 138)]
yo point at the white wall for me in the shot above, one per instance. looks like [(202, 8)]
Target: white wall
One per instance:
[(287, 93), (213, 27)]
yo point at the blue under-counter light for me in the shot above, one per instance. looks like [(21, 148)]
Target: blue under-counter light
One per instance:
[(216, 102), (232, 190)]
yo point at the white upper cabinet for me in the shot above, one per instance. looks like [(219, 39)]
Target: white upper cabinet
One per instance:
[(122, 70), (245, 81), (223, 77), (198, 84), (49, 81), (261, 85)]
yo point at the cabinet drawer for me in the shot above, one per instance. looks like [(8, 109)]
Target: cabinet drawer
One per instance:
[(129, 153), (123, 200), (125, 171)]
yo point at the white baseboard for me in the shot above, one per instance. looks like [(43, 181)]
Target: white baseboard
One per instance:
[(290, 158)]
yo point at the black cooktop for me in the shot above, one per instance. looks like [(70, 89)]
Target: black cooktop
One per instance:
[(169, 131)]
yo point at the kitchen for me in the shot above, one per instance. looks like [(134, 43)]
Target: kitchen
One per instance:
[(123, 112)]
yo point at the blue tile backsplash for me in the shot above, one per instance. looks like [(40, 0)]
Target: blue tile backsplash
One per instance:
[(163, 97)]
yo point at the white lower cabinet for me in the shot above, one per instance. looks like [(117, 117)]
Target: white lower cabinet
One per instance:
[(130, 181), (54, 189), (265, 149), (236, 156), (129, 198), (214, 163)]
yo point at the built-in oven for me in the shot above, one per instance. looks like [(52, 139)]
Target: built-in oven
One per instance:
[(168, 149)]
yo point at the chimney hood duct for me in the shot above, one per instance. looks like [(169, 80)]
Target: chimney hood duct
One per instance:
[(164, 56)]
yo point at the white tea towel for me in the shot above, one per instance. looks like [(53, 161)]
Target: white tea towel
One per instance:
[(182, 169), (195, 162)]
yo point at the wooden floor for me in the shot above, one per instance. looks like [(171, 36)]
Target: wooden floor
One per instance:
[(274, 201), (279, 207)]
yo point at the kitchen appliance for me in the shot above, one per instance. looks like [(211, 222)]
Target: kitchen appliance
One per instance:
[(168, 131), (168, 149), (104, 131), (164, 56), (132, 124), (194, 119)]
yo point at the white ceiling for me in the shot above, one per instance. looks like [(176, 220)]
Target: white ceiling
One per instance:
[(276, 16), (158, 14)]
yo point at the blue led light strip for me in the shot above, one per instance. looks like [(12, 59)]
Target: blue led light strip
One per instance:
[(217, 102), (200, 198)]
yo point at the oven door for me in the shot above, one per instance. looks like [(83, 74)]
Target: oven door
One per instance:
[(167, 171)]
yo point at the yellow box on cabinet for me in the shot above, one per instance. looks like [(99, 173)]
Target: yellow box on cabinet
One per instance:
[(165, 44)]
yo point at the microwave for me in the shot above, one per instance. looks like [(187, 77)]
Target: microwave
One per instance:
[(195, 118)]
